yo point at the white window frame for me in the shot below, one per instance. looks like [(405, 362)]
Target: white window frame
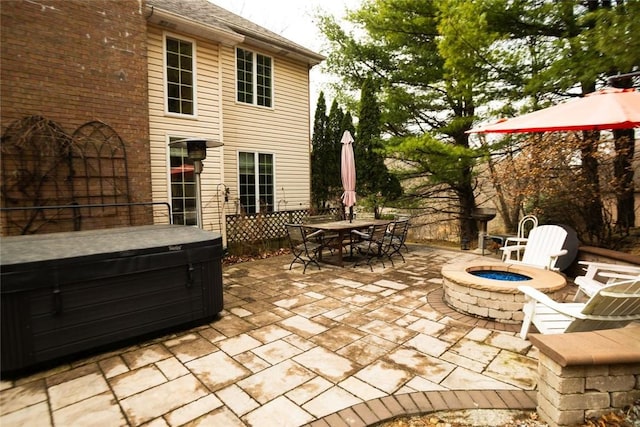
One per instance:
[(254, 83), (194, 70), (256, 156), (170, 195)]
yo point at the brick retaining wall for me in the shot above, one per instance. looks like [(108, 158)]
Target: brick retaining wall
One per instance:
[(587, 374)]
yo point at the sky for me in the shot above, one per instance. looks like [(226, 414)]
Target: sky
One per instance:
[(295, 20)]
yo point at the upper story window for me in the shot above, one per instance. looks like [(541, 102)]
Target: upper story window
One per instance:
[(254, 78), (180, 76)]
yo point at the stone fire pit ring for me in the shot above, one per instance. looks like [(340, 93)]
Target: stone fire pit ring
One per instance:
[(497, 300)]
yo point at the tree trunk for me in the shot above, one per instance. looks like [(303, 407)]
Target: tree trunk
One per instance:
[(468, 225), (592, 207), (623, 169), (510, 217)]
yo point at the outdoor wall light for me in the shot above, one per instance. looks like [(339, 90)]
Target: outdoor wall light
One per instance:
[(197, 151)]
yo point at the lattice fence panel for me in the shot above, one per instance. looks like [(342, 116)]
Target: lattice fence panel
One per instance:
[(261, 227)]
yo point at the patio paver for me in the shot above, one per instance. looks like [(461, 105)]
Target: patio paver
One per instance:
[(335, 346)]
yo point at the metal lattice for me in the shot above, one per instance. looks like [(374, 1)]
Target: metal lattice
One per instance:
[(36, 165), (99, 174), (43, 166)]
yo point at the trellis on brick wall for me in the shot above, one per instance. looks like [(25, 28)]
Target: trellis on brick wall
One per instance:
[(264, 226), (84, 174)]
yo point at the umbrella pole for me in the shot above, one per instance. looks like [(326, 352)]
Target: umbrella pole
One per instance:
[(350, 213)]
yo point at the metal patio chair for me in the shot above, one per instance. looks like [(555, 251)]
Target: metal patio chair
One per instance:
[(304, 247), (526, 224), (370, 245), (395, 238)]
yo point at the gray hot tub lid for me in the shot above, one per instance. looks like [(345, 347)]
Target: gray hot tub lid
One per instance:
[(95, 244)]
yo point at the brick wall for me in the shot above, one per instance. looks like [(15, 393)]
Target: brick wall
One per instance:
[(75, 61), (569, 395)]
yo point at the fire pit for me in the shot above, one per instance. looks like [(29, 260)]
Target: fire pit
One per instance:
[(493, 298)]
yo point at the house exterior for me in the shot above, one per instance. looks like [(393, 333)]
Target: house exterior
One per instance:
[(239, 84), (157, 71)]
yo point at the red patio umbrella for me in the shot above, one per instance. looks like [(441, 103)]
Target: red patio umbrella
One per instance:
[(601, 110), (348, 172)]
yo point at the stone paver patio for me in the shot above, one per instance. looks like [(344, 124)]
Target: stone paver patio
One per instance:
[(336, 346)]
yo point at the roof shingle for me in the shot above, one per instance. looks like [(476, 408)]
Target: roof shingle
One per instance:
[(205, 12)]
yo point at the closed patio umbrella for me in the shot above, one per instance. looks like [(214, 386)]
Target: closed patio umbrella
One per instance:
[(605, 109), (348, 172)]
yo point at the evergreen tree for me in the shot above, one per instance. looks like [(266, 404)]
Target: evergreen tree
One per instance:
[(435, 62), (374, 182), (347, 124), (326, 182), (319, 190), (576, 47), (424, 85)]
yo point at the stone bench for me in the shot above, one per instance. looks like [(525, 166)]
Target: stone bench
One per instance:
[(587, 374)]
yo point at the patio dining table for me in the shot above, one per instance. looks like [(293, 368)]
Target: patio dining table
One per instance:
[(344, 228)]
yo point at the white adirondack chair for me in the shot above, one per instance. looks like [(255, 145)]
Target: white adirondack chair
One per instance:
[(612, 306), (544, 246), (599, 274)]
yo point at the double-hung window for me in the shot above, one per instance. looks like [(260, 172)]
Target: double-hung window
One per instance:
[(255, 174), (254, 74), (183, 187), (180, 81)]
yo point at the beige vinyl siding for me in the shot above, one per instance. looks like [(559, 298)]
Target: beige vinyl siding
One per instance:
[(282, 130), (205, 124)]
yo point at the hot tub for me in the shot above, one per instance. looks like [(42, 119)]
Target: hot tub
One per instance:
[(497, 300), (66, 293)]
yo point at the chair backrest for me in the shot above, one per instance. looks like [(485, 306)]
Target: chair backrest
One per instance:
[(400, 228), (526, 224), (543, 242), (376, 237), (296, 234), (378, 232), (612, 306)]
